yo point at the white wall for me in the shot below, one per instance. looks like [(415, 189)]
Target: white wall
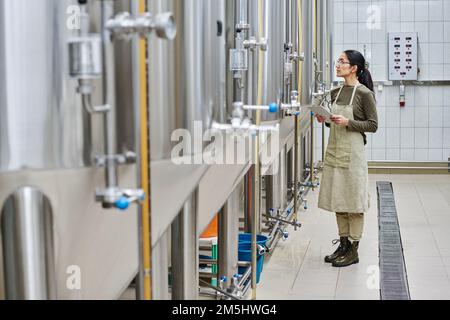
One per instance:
[(421, 130)]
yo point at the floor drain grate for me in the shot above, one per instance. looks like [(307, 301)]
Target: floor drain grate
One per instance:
[(393, 277)]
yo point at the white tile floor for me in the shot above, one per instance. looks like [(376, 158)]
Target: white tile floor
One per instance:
[(296, 269)]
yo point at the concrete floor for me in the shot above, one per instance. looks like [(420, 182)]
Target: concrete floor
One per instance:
[(296, 269)]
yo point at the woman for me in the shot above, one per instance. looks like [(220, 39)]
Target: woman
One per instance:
[(344, 188)]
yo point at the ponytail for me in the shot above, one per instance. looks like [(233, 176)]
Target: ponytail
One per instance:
[(364, 75), (365, 78)]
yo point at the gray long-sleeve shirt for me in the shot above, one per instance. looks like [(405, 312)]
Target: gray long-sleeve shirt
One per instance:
[(364, 109)]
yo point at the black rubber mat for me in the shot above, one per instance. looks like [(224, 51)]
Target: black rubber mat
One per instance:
[(393, 276)]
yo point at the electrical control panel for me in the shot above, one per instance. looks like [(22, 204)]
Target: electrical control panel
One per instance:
[(403, 56)]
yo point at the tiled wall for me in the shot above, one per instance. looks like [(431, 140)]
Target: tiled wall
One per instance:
[(421, 130)]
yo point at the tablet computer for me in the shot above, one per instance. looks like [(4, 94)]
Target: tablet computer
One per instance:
[(321, 111)]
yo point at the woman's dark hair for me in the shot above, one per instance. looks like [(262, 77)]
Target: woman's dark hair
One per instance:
[(357, 59)]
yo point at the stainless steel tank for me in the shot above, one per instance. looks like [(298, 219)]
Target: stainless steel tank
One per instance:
[(264, 85), (47, 172), (187, 91)]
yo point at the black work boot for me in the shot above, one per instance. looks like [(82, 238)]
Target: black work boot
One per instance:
[(341, 250), (351, 257)]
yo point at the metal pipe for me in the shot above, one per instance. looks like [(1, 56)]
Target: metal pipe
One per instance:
[(246, 287), (296, 166), (321, 31), (323, 142), (295, 41), (109, 94), (287, 53), (215, 261), (242, 11), (28, 246), (241, 20), (185, 252), (218, 290), (272, 239), (228, 234), (160, 274), (288, 21), (249, 188), (311, 147), (144, 287), (245, 276), (256, 212)]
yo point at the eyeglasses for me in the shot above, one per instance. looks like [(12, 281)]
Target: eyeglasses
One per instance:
[(341, 62)]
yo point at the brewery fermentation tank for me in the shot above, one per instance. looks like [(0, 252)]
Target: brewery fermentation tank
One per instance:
[(57, 241)]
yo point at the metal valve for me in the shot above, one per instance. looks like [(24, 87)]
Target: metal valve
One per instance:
[(295, 56), (253, 44), (124, 25), (293, 108), (222, 282), (261, 250), (128, 157), (242, 123), (274, 212), (235, 289), (119, 198)]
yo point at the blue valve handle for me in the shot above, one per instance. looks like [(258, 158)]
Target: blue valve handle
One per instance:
[(122, 204), (273, 108)]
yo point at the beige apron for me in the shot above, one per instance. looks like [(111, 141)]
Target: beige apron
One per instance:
[(344, 186)]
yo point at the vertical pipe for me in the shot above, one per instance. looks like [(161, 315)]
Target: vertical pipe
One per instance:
[(321, 31), (283, 179), (109, 94), (296, 39), (273, 185), (288, 21), (160, 274), (316, 70), (242, 11), (249, 190), (230, 23), (256, 227), (228, 236), (256, 211), (287, 52), (296, 167), (27, 239), (241, 17), (185, 262), (144, 285), (290, 170), (329, 41)]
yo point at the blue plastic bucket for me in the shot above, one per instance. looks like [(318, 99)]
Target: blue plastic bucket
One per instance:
[(245, 253), (247, 238)]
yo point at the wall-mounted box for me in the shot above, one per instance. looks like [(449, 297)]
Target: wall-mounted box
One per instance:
[(403, 56)]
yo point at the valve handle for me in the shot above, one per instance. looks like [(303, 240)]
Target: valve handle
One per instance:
[(273, 108), (122, 204)]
